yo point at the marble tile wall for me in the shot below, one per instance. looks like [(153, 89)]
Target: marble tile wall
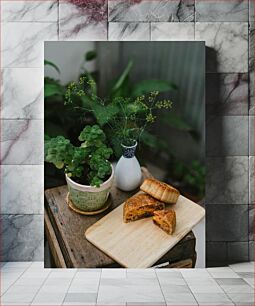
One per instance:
[(228, 30)]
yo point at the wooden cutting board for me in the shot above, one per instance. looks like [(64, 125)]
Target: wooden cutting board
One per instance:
[(141, 243)]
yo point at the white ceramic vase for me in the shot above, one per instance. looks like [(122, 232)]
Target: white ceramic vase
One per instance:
[(128, 170)]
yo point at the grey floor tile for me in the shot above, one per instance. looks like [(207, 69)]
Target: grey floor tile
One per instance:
[(237, 289), (227, 135), (213, 299), (234, 10), (227, 223), (243, 267), (223, 272), (80, 297), (180, 299), (242, 299), (230, 281)]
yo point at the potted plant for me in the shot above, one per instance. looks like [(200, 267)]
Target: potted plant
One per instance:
[(124, 119), (89, 174)]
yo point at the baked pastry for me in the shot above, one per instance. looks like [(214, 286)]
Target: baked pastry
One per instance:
[(160, 191), (166, 220), (140, 206)]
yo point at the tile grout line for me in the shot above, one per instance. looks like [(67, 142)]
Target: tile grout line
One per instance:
[(40, 287), (69, 287), (15, 280), (160, 286), (98, 285), (189, 289)]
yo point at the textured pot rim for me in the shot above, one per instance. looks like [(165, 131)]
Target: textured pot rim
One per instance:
[(89, 188), (129, 147)]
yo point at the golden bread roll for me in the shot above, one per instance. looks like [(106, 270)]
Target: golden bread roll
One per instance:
[(160, 191)]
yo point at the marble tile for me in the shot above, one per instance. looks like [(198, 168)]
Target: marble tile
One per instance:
[(22, 191), (238, 251), (250, 281), (195, 274), (227, 180), (86, 285), (22, 93), (22, 142), (222, 272), (178, 289), (19, 294), (23, 10), (155, 10), (213, 299), (22, 237), (128, 31), (251, 135), (251, 222), (23, 43), (44, 298), (230, 223), (172, 31), (81, 20), (81, 297), (215, 252), (226, 94), (227, 136), (136, 290), (213, 10), (114, 273), (251, 69), (241, 299), (227, 42), (180, 299), (243, 267)]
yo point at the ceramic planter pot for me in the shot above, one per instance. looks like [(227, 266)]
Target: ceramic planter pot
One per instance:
[(89, 198)]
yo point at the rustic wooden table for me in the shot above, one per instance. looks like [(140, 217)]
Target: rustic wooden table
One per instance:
[(69, 248)]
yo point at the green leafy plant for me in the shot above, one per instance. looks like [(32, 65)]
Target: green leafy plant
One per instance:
[(189, 178), (88, 163), (125, 118)]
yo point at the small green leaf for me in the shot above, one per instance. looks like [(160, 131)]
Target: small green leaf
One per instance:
[(123, 77), (48, 63), (147, 86), (90, 55), (53, 89)]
